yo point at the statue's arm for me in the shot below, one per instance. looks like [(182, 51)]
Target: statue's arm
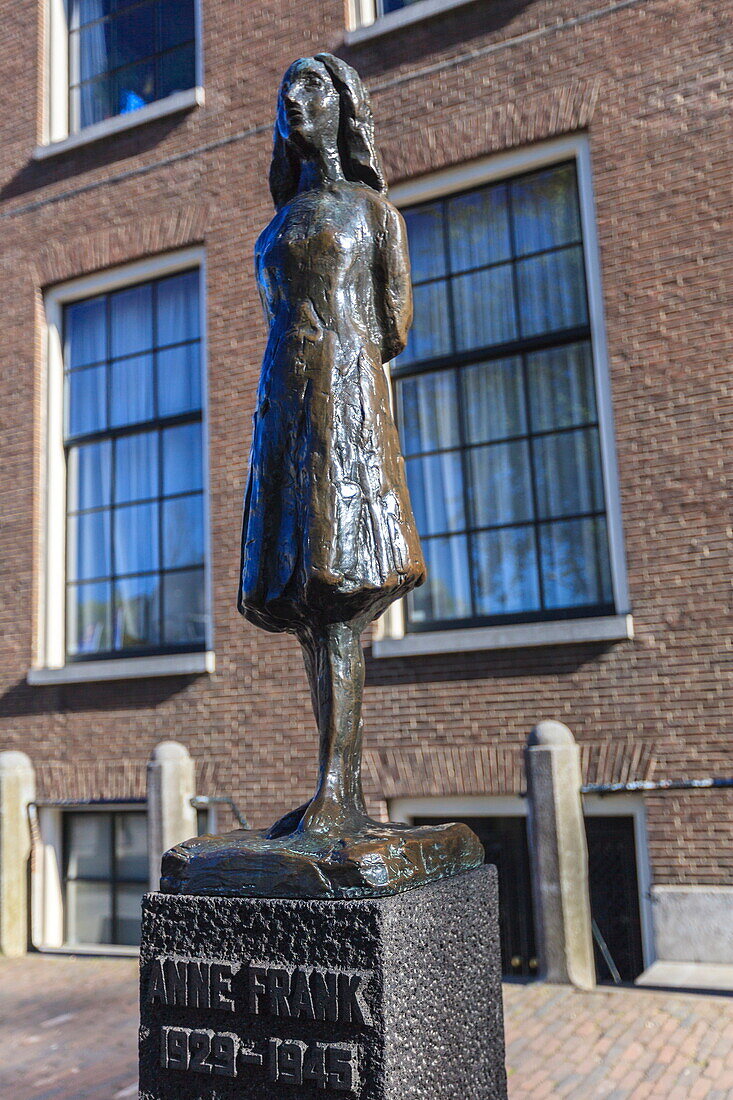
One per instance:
[(396, 287)]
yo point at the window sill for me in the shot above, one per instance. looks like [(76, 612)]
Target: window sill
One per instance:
[(109, 949), (609, 628), (404, 17), (126, 668), (172, 104)]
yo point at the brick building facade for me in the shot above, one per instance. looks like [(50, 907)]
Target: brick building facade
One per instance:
[(634, 96)]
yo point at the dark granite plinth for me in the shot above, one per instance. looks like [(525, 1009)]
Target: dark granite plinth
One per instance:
[(395, 998)]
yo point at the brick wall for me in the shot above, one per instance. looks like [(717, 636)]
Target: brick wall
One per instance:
[(646, 79)]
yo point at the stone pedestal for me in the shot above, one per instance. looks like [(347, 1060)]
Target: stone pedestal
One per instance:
[(395, 998)]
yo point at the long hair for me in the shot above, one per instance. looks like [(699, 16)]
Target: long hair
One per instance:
[(360, 161)]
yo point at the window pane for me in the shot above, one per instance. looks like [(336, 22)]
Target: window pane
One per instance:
[(176, 71), (446, 592), (575, 566), (131, 397), (88, 614), (131, 844), (501, 488), (88, 912), (552, 292), (430, 332), (129, 914), (428, 410), (478, 228), (93, 102), (137, 612), (179, 380), (93, 44), (85, 333), (134, 87), (505, 567), (183, 532), (568, 472), (85, 11), (425, 234), (176, 21), (494, 400), (89, 475), (89, 845), (136, 467), (178, 307), (561, 387), (545, 207), (184, 612), (133, 36), (136, 538), (436, 492), (88, 546), (182, 468), (484, 308), (132, 320), (86, 400)]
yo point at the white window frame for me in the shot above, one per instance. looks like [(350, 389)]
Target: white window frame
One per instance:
[(56, 137), (365, 21), (390, 637), (47, 880), (405, 810), (50, 665)]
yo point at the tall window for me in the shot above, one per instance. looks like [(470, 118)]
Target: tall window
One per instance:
[(497, 408), (124, 54), (105, 874), (133, 436)]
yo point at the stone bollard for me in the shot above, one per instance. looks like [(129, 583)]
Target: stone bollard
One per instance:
[(17, 791), (171, 784), (559, 857)]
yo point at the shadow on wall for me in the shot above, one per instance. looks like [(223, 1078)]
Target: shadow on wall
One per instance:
[(505, 664), (36, 174), (24, 699), (457, 27)]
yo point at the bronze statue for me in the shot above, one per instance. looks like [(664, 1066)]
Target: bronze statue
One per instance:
[(329, 539)]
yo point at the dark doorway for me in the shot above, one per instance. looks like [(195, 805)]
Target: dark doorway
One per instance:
[(505, 842), (614, 896)]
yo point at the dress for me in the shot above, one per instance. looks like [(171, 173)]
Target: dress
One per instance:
[(328, 532)]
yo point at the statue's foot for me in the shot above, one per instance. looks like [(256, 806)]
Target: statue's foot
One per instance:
[(326, 814)]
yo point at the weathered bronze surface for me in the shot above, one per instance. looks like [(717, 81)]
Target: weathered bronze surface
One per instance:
[(329, 539)]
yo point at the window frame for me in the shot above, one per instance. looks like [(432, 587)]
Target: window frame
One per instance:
[(113, 882), (56, 135), (391, 637), (50, 664)]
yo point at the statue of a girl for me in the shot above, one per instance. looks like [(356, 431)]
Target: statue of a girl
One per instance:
[(329, 539)]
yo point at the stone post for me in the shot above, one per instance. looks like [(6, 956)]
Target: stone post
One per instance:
[(171, 784), (17, 791), (559, 857)]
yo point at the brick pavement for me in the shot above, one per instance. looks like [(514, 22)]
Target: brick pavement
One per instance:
[(68, 1031)]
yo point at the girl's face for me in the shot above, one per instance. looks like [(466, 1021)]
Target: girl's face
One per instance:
[(308, 106)]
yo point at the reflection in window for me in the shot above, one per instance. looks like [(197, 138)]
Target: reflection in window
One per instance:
[(124, 54), (497, 409), (135, 528), (105, 864)]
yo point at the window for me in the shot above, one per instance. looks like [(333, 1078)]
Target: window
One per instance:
[(134, 463), (105, 874), (114, 63), (498, 409), (124, 54), (124, 589)]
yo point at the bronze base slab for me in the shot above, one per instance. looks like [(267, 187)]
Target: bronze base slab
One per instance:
[(376, 860)]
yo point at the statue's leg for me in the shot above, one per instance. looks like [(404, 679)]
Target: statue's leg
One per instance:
[(335, 664)]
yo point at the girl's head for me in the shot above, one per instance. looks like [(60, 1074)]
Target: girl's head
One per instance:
[(323, 104)]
